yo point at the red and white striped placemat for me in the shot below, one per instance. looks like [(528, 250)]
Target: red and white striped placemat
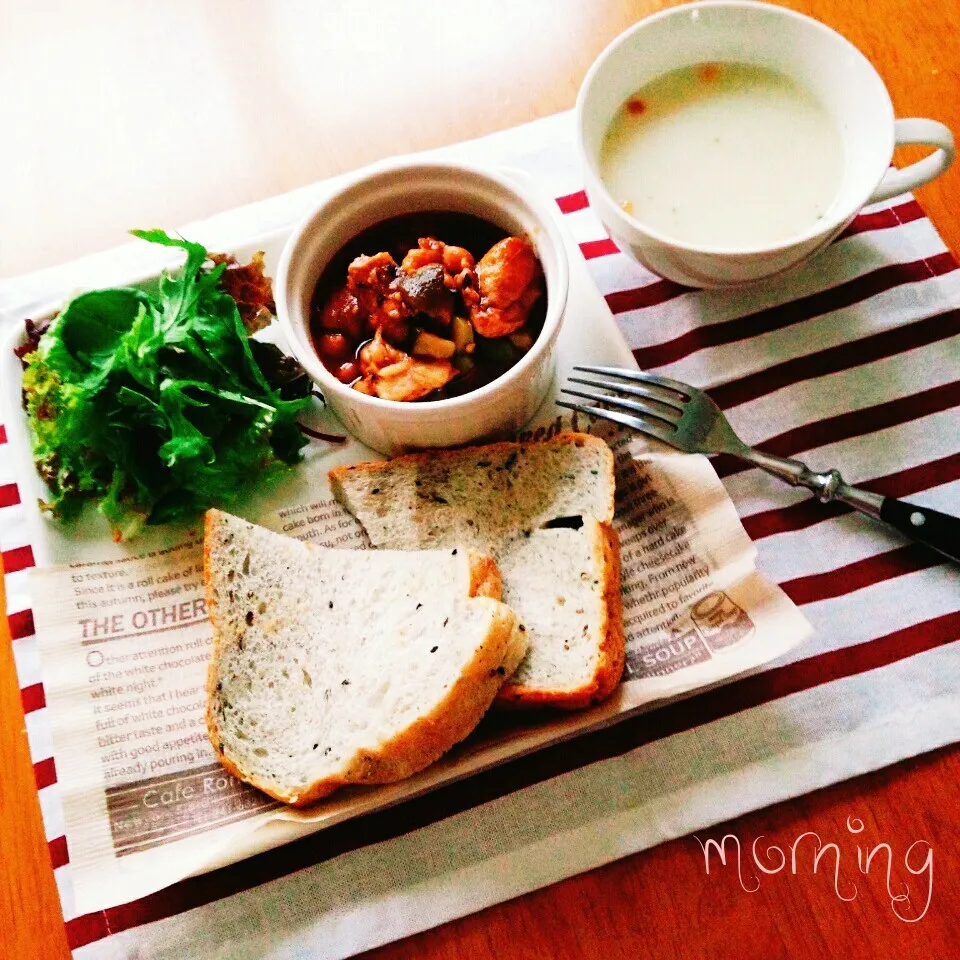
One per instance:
[(853, 362)]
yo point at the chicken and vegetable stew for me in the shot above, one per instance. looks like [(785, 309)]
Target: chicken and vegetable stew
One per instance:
[(428, 306)]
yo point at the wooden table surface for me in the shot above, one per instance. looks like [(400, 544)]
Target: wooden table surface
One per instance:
[(114, 115)]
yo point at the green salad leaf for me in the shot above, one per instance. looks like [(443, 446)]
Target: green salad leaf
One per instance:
[(153, 404)]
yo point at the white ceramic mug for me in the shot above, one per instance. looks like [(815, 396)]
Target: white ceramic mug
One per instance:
[(760, 34), (389, 190)]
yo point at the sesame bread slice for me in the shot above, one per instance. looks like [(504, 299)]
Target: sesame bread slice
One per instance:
[(478, 495), (564, 586), (333, 667), (543, 510)]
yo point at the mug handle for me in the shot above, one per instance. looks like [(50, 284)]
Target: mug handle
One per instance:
[(917, 130)]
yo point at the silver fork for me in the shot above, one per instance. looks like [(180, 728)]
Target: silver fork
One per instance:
[(686, 418)]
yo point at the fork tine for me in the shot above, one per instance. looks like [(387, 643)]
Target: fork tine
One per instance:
[(632, 390), (635, 422), (633, 406), (638, 375)]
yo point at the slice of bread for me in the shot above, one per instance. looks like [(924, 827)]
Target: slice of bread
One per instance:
[(478, 495), (346, 666), (564, 585), (506, 499)]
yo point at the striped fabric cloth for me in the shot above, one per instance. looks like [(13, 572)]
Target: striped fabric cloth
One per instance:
[(851, 362)]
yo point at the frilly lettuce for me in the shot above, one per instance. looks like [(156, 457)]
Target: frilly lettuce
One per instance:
[(152, 403)]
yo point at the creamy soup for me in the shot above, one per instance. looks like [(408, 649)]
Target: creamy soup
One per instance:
[(724, 155)]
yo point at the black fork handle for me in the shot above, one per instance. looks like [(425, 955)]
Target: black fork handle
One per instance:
[(937, 530), (931, 527)]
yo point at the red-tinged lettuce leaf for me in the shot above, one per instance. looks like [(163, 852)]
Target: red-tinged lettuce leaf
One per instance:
[(250, 287), (33, 332)]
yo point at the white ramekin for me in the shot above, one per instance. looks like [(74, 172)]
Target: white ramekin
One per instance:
[(385, 191)]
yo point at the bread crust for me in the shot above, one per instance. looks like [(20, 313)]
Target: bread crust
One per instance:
[(611, 653), (213, 732), (613, 649), (485, 578), (429, 737), (491, 449)]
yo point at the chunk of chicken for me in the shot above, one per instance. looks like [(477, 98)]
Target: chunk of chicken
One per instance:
[(375, 273), (414, 378), (458, 263), (370, 280), (391, 374), (377, 355), (508, 285)]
